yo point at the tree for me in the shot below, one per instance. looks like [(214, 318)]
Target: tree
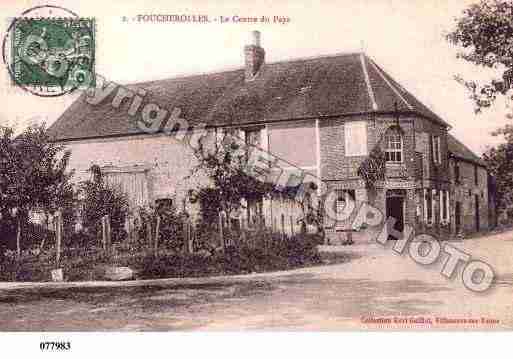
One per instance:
[(230, 183), (33, 176), (484, 34), (499, 161), (7, 187)]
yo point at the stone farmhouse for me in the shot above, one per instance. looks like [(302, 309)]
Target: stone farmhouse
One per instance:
[(323, 115)]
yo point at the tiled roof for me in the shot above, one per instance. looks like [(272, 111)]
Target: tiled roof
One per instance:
[(459, 150), (298, 89)]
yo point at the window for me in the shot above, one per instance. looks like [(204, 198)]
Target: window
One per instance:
[(429, 205), (343, 197), (456, 172), (131, 180), (476, 175), (444, 206), (435, 149), (418, 205), (355, 136), (253, 136), (394, 145), (294, 142)]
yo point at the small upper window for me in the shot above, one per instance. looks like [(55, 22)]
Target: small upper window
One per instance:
[(355, 138), (435, 149), (253, 136), (456, 172), (394, 145)]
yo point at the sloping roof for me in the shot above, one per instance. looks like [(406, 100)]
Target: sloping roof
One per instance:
[(298, 89), (459, 150)]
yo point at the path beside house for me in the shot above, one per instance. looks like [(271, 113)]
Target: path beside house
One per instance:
[(376, 283)]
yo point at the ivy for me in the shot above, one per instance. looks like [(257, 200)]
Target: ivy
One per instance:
[(372, 169)]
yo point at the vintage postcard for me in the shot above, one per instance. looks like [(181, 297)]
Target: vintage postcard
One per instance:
[(246, 166)]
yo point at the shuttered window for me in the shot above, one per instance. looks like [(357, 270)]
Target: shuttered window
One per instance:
[(444, 206), (355, 135), (435, 149), (134, 184)]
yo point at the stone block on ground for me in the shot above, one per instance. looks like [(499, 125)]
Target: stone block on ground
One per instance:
[(119, 273)]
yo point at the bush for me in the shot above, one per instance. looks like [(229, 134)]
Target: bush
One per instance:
[(259, 253), (99, 200), (31, 234), (80, 239)]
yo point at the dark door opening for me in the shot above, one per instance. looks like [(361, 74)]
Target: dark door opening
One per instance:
[(395, 209), (457, 219), (476, 199)]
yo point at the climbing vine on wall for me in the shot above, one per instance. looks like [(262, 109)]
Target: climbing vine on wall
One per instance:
[(372, 169)]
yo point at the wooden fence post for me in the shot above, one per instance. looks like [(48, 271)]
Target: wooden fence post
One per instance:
[(261, 231), (136, 230), (148, 233), (185, 230), (106, 236), (157, 234), (109, 234), (221, 235), (58, 236), (282, 226), (241, 226), (190, 236), (18, 240)]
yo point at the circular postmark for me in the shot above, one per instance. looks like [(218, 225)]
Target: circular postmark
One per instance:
[(49, 51)]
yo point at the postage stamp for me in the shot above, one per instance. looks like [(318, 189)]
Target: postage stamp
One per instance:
[(51, 51)]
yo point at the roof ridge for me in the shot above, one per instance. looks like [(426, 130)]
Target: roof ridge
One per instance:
[(394, 89), (215, 97), (408, 93), (316, 57), (367, 82), (239, 68)]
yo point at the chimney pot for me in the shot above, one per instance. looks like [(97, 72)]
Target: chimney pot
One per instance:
[(255, 38), (254, 56)]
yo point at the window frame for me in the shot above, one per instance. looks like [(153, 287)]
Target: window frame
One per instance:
[(394, 151), (344, 193), (457, 175), (348, 138), (429, 206), (252, 130), (444, 207), (436, 154)]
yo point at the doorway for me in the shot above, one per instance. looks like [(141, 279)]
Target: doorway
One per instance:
[(457, 217), (395, 207)]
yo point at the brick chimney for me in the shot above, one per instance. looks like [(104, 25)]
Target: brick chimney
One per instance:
[(254, 56)]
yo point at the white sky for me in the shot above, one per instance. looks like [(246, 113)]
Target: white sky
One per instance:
[(404, 37)]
